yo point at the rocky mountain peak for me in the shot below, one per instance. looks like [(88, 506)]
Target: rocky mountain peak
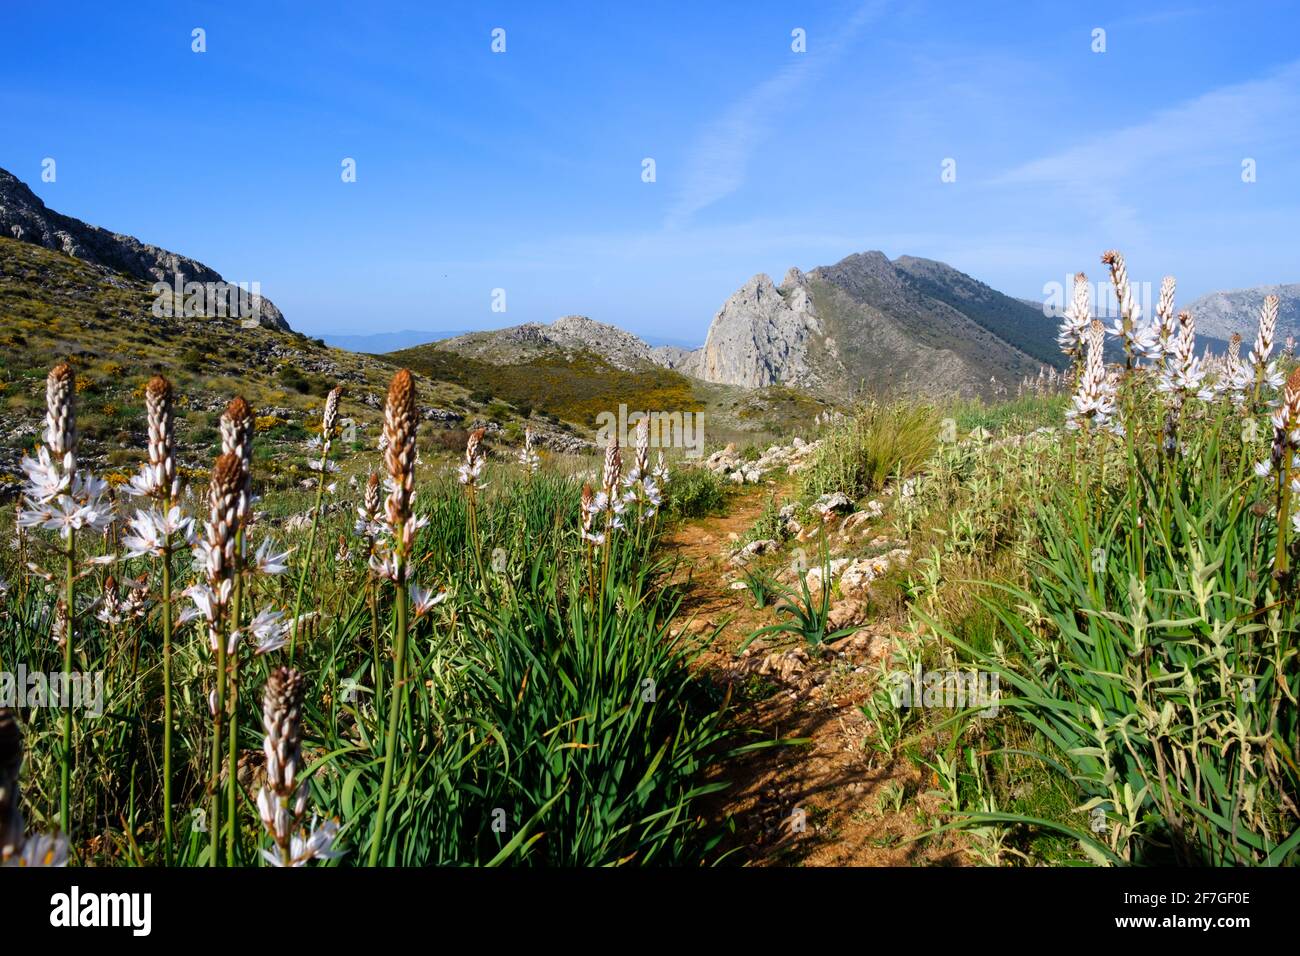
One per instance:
[(760, 334), (863, 273), (25, 217), (867, 322), (798, 293), (619, 348)]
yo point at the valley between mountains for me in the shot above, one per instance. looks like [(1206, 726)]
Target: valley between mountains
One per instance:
[(785, 650)]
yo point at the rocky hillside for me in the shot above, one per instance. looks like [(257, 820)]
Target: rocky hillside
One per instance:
[(864, 324), (870, 324), (55, 307), (23, 216), (566, 336), (577, 379), (1221, 313)]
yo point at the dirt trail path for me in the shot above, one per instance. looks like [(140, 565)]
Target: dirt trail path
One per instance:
[(856, 807)]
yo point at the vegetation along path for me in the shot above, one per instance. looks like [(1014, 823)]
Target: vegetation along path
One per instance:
[(822, 795)]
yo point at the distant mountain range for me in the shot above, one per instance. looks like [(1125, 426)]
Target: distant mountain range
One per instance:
[(1222, 313), (23, 216), (864, 324)]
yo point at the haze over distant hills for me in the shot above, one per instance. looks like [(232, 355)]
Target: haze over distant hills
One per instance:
[(1222, 313), (377, 343)]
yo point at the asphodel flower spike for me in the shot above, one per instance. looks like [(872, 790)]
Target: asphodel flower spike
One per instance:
[(158, 478), (400, 423), (237, 425), (60, 414)]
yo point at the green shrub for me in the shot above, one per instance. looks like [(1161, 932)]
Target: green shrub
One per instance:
[(877, 441), (768, 524), (694, 493), (450, 439), (204, 436), (291, 378)]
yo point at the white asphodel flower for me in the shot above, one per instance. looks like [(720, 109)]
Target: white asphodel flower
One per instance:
[(268, 630), (142, 484), (660, 472), (266, 561), (384, 563), (318, 844), (45, 480), (33, 515), (66, 516), (366, 528), (468, 472), (147, 538), (423, 600), (175, 522), (1146, 342), (206, 601)]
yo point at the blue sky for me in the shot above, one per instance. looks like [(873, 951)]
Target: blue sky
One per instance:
[(523, 170)]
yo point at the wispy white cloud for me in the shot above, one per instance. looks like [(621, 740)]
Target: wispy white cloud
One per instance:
[(1104, 173), (1242, 114), (718, 162)]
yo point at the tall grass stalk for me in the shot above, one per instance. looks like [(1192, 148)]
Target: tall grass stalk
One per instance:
[(470, 470), (61, 437), (877, 441), (168, 699), (70, 619)]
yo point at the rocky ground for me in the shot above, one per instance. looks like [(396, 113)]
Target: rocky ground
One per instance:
[(730, 464), (817, 792)]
